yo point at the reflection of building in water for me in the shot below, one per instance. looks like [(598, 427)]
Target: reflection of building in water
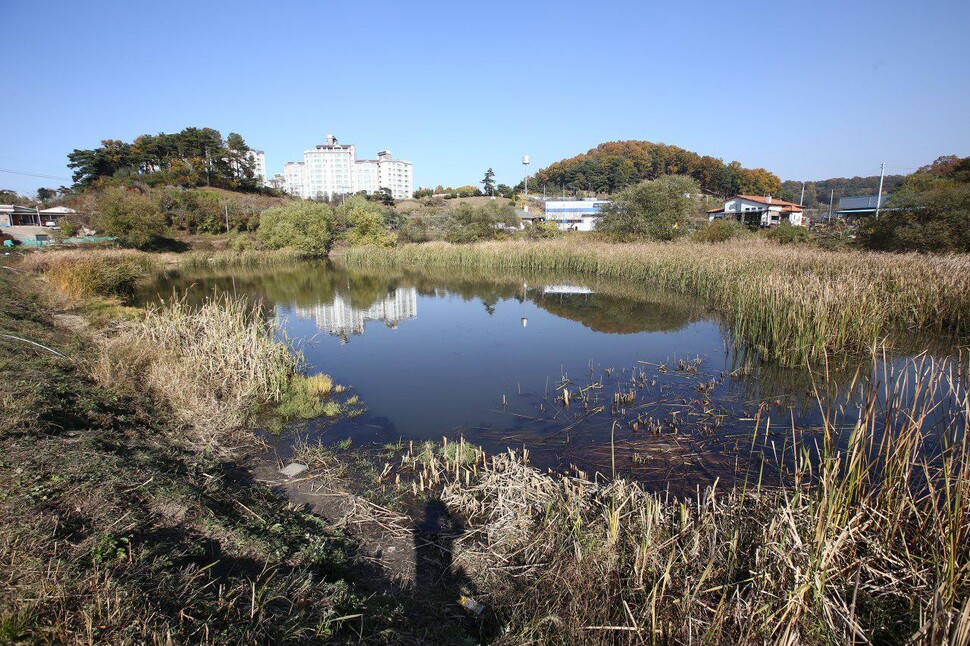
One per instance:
[(341, 319), (566, 289)]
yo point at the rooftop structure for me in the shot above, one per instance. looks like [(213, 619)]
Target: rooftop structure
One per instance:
[(861, 204)]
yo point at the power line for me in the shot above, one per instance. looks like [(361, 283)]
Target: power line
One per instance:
[(29, 174)]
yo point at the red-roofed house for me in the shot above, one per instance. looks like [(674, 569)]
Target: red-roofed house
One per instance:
[(761, 211)]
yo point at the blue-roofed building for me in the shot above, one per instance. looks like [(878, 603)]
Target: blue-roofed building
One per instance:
[(861, 204)]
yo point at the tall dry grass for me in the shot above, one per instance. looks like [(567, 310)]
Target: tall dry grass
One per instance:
[(79, 274), (795, 305), (868, 544), (215, 366)]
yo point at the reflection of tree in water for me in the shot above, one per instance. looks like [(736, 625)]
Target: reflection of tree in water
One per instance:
[(614, 314), (614, 307)]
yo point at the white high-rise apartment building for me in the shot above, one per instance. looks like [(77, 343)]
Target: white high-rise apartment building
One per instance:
[(332, 169)]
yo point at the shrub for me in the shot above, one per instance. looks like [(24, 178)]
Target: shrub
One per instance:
[(785, 233), (69, 228), (128, 215), (469, 223), (542, 230), (305, 226), (659, 210), (720, 230), (360, 221)]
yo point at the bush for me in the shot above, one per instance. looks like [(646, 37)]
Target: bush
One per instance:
[(360, 221), (469, 223), (720, 230), (130, 216), (542, 230), (785, 233), (68, 226), (658, 210), (305, 226)]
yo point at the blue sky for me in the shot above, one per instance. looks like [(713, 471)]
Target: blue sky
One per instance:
[(807, 90)]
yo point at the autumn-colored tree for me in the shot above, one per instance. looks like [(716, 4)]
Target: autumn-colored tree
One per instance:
[(612, 166)]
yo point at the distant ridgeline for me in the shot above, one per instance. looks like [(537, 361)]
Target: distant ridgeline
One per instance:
[(818, 193), (617, 164), (192, 157)]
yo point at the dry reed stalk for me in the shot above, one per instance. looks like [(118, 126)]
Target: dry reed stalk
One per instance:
[(871, 542)]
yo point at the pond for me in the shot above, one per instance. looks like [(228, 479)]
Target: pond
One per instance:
[(583, 373)]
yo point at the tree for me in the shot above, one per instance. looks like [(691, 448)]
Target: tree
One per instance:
[(190, 158), (488, 183), (45, 194), (930, 212), (659, 210), (612, 166), (128, 215), (385, 197), (305, 226), (8, 196)]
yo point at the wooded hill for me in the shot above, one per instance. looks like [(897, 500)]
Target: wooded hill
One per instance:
[(615, 165), (190, 158)]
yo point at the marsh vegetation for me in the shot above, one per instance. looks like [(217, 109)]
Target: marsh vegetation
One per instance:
[(725, 477), (794, 305)]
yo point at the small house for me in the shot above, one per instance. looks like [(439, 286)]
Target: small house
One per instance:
[(755, 210), (575, 215), (12, 215)]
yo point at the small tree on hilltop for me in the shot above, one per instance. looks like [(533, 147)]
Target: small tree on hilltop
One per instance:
[(659, 210), (488, 183)]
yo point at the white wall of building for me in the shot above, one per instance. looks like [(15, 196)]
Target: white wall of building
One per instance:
[(333, 169), (574, 215), (770, 214)]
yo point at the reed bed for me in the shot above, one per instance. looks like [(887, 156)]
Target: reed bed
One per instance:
[(868, 544), (215, 366), (80, 274), (233, 259), (794, 305)]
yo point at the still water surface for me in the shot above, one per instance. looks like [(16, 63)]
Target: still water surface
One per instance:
[(656, 389)]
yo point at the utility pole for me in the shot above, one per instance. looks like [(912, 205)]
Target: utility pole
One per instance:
[(831, 199), (525, 164), (801, 200), (882, 174), (227, 217)]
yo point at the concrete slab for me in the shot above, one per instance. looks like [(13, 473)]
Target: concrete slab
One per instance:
[(293, 469)]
